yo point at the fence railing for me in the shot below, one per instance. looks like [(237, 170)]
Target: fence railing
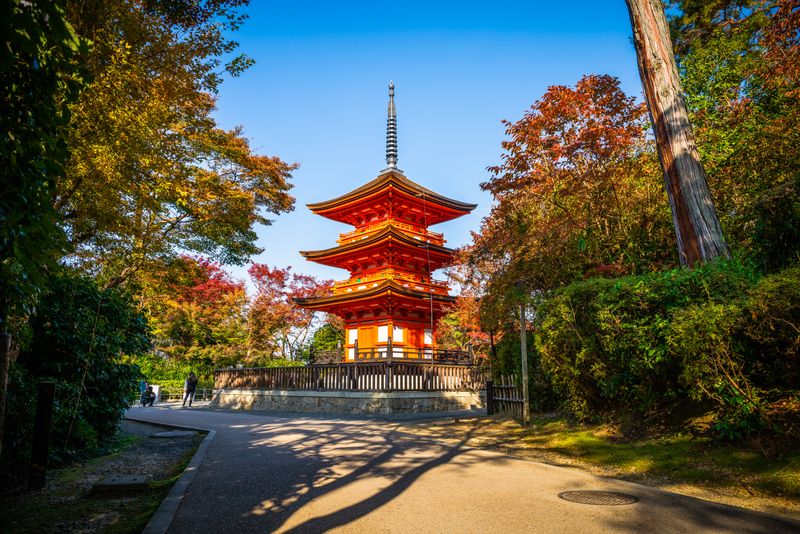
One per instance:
[(168, 394), (504, 397), (174, 394), (362, 376), (396, 353)]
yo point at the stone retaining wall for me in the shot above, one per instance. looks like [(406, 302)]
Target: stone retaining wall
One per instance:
[(347, 402)]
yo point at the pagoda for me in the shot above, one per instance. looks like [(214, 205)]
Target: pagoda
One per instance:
[(390, 304)]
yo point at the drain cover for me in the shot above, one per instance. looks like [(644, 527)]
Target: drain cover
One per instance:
[(606, 498)]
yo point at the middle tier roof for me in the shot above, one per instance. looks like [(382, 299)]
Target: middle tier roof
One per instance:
[(388, 246)]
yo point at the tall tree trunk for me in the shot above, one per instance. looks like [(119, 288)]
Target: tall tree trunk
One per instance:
[(696, 224)]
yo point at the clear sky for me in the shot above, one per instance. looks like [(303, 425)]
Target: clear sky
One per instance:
[(317, 95)]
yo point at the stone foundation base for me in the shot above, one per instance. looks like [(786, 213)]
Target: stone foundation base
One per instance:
[(347, 402)]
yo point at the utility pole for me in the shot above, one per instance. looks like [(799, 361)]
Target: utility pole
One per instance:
[(523, 347)]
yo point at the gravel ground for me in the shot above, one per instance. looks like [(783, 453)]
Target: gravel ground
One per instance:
[(66, 504)]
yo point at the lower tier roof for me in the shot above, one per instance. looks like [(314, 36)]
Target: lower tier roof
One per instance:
[(388, 295)]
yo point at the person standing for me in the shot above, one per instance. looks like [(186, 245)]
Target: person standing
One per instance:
[(189, 387)]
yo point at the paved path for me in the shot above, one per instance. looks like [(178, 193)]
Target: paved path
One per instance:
[(302, 474)]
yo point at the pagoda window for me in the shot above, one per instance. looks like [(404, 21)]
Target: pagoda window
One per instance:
[(428, 336), (383, 334), (352, 335), (397, 334)]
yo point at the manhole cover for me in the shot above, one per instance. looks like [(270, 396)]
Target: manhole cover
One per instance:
[(606, 498)]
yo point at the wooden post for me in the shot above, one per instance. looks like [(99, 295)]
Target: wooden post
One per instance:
[(355, 350), (5, 357), (41, 435), (523, 347), (697, 227), (489, 397), (389, 348)]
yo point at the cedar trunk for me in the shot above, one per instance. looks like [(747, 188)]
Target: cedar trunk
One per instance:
[(697, 227)]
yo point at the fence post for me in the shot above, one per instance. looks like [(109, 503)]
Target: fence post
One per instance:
[(41, 435), (388, 375), (389, 348), (489, 397)]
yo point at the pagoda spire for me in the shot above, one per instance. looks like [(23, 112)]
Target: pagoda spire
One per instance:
[(391, 132)]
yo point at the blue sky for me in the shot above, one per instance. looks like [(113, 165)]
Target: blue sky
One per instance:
[(317, 95)]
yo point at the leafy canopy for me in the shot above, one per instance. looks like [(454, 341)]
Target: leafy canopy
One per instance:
[(577, 193), (151, 173), (38, 80)]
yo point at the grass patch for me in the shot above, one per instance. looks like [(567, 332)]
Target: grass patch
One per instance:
[(679, 456)]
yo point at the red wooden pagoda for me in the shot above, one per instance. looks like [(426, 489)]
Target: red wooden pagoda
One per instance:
[(390, 304)]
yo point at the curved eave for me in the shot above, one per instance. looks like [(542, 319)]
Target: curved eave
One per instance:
[(388, 234), (388, 288), (399, 182)]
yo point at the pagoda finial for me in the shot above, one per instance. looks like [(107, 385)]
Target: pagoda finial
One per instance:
[(391, 131)]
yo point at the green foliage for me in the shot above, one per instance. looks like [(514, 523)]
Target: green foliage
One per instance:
[(608, 344), (151, 174), (704, 336), (740, 68), (770, 328), (170, 366), (776, 226), (327, 337), (79, 332), (38, 80), (507, 362), (640, 347)]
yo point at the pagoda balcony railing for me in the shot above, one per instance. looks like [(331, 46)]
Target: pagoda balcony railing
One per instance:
[(419, 283), (395, 353), (363, 233)]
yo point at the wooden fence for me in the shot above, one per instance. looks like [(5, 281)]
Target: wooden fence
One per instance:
[(504, 397), (362, 376)]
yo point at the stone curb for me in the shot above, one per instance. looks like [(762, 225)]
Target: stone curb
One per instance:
[(164, 515)]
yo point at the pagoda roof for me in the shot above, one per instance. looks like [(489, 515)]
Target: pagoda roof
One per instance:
[(387, 288), (392, 180), (388, 235)]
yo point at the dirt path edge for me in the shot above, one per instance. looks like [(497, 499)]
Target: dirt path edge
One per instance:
[(164, 515)]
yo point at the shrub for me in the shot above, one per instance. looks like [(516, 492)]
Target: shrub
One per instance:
[(771, 328), (604, 342), (705, 337), (78, 332), (642, 346)]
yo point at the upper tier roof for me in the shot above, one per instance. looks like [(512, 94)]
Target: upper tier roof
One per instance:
[(437, 208)]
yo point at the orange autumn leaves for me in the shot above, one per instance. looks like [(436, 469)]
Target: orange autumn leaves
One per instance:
[(578, 190), (194, 303)]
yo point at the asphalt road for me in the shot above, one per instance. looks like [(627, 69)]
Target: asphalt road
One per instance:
[(305, 474)]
